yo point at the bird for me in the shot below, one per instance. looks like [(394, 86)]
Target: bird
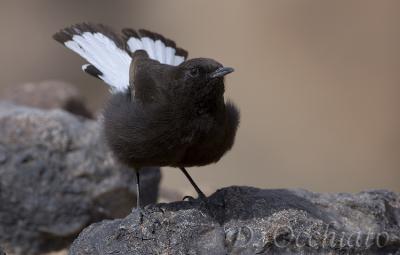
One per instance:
[(164, 109)]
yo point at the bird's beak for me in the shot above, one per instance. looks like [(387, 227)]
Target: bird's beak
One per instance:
[(220, 72)]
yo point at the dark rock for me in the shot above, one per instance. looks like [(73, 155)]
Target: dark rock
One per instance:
[(244, 220), (56, 177), (48, 95)]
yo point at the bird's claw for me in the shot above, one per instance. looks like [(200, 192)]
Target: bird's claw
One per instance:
[(142, 214), (201, 198), (188, 198)]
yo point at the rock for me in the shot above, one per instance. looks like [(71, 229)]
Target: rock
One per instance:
[(48, 95), (56, 177), (245, 220)]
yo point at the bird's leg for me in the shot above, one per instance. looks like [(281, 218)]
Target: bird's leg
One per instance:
[(198, 190), (138, 204), (137, 188)]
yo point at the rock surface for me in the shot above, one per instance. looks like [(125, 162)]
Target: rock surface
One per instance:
[(56, 177), (49, 94), (244, 220)]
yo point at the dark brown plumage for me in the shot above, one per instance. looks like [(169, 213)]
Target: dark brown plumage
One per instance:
[(168, 115), (172, 119)]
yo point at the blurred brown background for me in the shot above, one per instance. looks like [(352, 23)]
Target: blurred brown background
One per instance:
[(317, 82)]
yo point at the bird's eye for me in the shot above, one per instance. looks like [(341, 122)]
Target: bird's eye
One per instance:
[(194, 72)]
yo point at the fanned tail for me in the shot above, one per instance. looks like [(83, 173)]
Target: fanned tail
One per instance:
[(109, 55)]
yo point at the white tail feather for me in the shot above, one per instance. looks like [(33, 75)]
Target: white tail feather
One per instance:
[(107, 56)]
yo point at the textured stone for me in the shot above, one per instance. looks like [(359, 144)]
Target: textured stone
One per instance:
[(56, 177), (48, 95), (244, 220)]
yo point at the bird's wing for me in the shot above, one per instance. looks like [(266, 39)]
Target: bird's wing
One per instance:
[(157, 46), (103, 49)]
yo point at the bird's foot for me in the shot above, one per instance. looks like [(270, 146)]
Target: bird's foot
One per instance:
[(202, 198), (143, 214), (188, 198), (211, 206)]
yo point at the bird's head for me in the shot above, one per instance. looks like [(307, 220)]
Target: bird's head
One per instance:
[(201, 79)]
